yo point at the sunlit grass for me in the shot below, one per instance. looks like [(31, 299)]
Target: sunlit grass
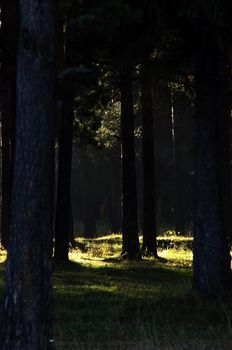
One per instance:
[(2, 255), (104, 303)]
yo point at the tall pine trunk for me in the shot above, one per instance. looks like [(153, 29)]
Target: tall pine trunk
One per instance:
[(179, 207), (26, 321), (63, 202), (115, 191), (88, 192), (211, 259), (149, 246), (9, 34), (223, 149), (130, 237)]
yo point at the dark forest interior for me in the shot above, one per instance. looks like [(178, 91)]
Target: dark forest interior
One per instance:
[(116, 124)]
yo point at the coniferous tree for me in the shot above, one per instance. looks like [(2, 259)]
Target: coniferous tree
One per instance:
[(149, 212), (130, 248), (26, 321), (211, 258)]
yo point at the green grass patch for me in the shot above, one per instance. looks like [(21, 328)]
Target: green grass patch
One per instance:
[(102, 302)]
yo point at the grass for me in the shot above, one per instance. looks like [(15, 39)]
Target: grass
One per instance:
[(101, 302)]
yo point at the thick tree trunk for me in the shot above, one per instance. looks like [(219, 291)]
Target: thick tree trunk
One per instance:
[(62, 225), (130, 237), (211, 260), (223, 146), (9, 35), (149, 246), (26, 321)]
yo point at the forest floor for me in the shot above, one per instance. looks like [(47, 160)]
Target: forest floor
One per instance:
[(102, 302)]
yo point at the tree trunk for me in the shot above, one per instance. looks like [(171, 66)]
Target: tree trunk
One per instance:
[(115, 200), (9, 31), (26, 321), (62, 225), (149, 213), (88, 193), (211, 259), (130, 237), (223, 149), (179, 207)]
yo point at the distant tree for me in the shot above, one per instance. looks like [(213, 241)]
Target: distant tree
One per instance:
[(65, 141), (88, 190), (149, 213), (27, 315), (63, 202), (183, 109), (130, 248)]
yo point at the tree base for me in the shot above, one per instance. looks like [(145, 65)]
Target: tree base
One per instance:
[(149, 253), (131, 256)]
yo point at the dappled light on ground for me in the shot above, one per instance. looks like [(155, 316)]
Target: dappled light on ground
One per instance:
[(103, 302)]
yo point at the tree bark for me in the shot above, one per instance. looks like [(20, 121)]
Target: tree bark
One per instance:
[(26, 321), (211, 259), (179, 207), (149, 246), (130, 248), (63, 207), (88, 193), (223, 145), (9, 35), (115, 195)]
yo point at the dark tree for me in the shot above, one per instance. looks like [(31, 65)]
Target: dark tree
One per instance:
[(88, 192), (115, 195), (63, 207), (149, 214), (163, 140), (182, 156), (223, 128), (26, 321), (177, 173), (9, 36), (211, 262), (130, 237)]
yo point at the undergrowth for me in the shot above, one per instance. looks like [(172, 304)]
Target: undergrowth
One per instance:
[(102, 302)]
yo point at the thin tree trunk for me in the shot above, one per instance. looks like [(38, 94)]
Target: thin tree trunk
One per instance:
[(62, 225), (211, 259), (9, 31), (149, 246), (130, 237), (115, 189), (177, 172), (26, 321), (88, 193)]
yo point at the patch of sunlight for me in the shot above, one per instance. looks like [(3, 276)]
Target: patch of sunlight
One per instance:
[(177, 257), (87, 259), (2, 255), (111, 237), (175, 238)]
